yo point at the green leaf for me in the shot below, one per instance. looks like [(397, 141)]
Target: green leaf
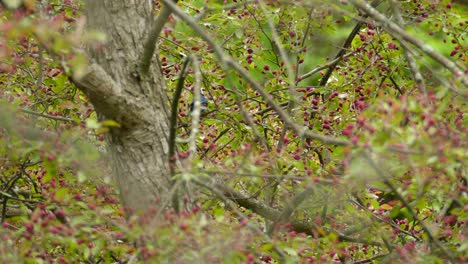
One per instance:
[(374, 203), (62, 194), (110, 123), (92, 124), (290, 251), (81, 176)]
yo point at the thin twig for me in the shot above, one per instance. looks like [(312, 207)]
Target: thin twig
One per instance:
[(40, 74), (293, 204), (387, 222), (325, 66), (175, 112), (150, 44), (287, 63), (214, 141), (58, 118), (9, 196), (226, 199), (341, 53), (369, 260), (196, 108), (403, 36), (173, 129), (413, 65)]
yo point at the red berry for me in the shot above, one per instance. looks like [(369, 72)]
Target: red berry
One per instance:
[(392, 46), (183, 226)]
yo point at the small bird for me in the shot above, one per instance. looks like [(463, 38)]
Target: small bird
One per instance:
[(203, 104)]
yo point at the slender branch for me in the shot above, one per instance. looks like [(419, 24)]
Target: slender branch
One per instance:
[(397, 87), (328, 65), (294, 203), (40, 74), (174, 113), (173, 131), (307, 227), (287, 63), (220, 135), (150, 44), (339, 56), (4, 208), (226, 199), (58, 118), (304, 38), (403, 36), (279, 177), (196, 108), (9, 196), (175, 44), (370, 260), (341, 53), (357, 203), (413, 65), (246, 116)]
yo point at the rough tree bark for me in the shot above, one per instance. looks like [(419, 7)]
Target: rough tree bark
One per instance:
[(139, 148)]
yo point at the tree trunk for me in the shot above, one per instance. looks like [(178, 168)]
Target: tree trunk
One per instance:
[(139, 148)]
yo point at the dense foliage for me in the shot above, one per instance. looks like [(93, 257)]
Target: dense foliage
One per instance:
[(380, 177)]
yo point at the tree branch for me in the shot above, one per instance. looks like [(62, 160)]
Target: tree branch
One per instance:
[(196, 113), (174, 113), (329, 65), (271, 214), (402, 35), (225, 199), (413, 65), (341, 53), (293, 100), (58, 118), (150, 44), (97, 82), (104, 93), (173, 130), (370, 260)]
